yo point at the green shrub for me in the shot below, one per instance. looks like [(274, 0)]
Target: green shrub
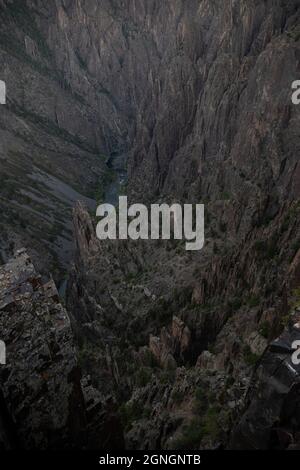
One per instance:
[(267, 249), (234, 304), (130, 412), (222, 227), (296, 298), (201, 401), (210, 423), (143, 377), (225, 196), (265, 329), (250, 357), (167, 376), (229, 381), (178, 396), (191, 436), (253, 301)]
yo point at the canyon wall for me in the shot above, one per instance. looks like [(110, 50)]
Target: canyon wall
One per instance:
[(196, 95)]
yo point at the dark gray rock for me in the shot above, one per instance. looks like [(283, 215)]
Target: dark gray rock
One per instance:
[(43, 404), (272, 418)]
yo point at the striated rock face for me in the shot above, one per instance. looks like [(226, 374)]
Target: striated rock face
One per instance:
[(64, 116), (215, 124), (196, 96), (41, 381), (47, 142), (171, 345), (43, 403), (221, 92)]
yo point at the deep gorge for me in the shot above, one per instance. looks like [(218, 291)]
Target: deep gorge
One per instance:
[(153, 347)]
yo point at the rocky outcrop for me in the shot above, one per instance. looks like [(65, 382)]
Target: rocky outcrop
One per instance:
[(41, 380), (179, 329), (43, 403), (271, 419), (171, 345)]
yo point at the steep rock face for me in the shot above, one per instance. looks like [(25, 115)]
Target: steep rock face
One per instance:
[(43, 156), (171, 344), (41, 361), (216, 124), (64, 116), (271, 419), (180, 88), (197, 95), (124, 295), (222, 105), (121, 292), (44, 404)]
